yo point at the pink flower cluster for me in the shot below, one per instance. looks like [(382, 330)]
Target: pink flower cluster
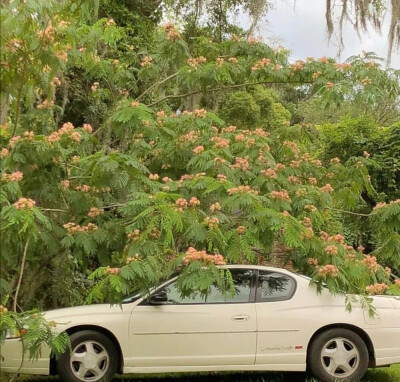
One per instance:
[(295, 164), (215, 207), (14, 140), (135, 257), (94, 212), (335, 160), (292, 146), (306, 221), (383, 204), (4, 153), (198, 149), (376, 289), (269, 173), (261, 63), (154, 176), (65, 184), (13, 177), (181, 204), (371, 263), (194, 202), (327, 188), (24, 204), (328, 270), (301, 192), (260, 132), (155, 233), (212, 222), (241, 163), (332, 250), (83, 188), (298, 65), (134, 235), (241, 230), (87, 127), (147, 61), (293, 179), (112, 271), (220, 143), (47, 35), (200, 113), (172, 33), (222, 178), (194, 62), (345, 65), (312, 261), (193, 255), (280, 195), (310, 208), (29, 135), (229, 129), (242, 190), (66, 129), (191, 136), (240, 137), (73, 228)]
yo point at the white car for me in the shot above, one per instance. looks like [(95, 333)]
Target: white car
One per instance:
[(275, 321)]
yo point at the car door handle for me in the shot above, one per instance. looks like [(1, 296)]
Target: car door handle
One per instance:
[(240, 317)]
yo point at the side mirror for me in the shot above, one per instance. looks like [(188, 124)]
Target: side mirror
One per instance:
[(159, 298)]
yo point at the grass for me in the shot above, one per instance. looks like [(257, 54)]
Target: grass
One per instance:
[(384, 374)]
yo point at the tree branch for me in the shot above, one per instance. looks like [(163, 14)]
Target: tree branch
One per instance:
[(23, 261), (53, 210), (347, 212), (156, 84), (224, 88)]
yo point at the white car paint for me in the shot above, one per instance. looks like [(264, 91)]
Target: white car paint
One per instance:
[(271, 335)]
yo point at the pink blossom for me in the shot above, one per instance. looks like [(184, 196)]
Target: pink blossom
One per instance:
[(4, 153), (65, 184), (24, 203), (154, 176), (88, 128), (198, 149), (76, 136), (376, 289)]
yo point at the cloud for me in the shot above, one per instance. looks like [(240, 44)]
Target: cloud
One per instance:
[(302, 29)]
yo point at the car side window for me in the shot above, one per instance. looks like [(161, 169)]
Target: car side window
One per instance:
[(274, 286), (242, 280)]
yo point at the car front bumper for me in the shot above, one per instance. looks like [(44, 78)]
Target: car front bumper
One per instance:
[(12, 360)]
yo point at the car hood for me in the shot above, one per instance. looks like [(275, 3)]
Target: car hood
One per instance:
[(85, 310)]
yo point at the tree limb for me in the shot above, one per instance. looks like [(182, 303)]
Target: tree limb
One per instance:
[(23, 261), (224, 88)]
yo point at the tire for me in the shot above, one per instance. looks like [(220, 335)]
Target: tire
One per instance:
[(94, 358), (338, 355)]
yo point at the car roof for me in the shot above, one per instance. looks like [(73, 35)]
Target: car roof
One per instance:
[(259, 267)]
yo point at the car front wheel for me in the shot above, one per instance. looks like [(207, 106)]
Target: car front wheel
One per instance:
[(338, 355), (94, 358)]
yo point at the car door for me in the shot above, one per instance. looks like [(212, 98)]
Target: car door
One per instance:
[(197, 331), (279, 338)]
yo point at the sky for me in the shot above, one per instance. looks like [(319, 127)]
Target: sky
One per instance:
[(302, 29)]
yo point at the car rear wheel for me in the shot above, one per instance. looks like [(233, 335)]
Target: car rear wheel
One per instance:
[(94, 358), (338, 355)]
